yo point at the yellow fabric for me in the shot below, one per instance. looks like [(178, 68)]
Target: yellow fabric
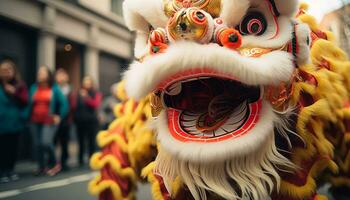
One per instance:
[(97, 186), (156, 191), (98, 161), (134, 139), (330, 94), (155, 186)]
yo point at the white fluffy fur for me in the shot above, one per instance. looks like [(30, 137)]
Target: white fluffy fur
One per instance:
[(287, 7), (141, 44), (138, 14), (232, 11), (143, 78), (213, 152), (255, 174), (303, 33)]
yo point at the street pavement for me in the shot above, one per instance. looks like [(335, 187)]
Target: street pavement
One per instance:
[(70, 185)]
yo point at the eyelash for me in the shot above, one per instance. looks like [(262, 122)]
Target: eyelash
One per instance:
[(253, 23)]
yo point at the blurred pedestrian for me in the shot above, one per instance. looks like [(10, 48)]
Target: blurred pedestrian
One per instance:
[(86, 119), (107, 107), (62, 136), (47, 106), (13, 99)]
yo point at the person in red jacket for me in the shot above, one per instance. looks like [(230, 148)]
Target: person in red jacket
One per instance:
[(86, 117), (47, 107)]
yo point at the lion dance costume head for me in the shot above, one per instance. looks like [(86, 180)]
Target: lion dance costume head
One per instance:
[(247, 99)]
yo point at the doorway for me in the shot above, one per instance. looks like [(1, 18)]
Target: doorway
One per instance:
[(69, 58)]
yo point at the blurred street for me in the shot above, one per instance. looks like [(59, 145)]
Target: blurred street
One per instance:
[(70, 185)]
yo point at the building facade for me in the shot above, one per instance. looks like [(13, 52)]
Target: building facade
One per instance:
[(338, 22), (85, 37)]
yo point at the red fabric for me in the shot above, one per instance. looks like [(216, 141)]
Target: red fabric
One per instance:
[(95, 101), (72, 100), (21, 93), (108, 173), (162, 186), (41, 106)]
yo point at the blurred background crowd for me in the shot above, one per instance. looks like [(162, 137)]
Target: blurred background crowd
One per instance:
[(59, 62), (47, 111)]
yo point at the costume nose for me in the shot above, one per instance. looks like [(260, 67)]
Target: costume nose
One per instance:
[(183, 26), (190, 24)]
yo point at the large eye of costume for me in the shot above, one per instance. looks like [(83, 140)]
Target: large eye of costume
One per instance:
[(198, 17), (254, 23)]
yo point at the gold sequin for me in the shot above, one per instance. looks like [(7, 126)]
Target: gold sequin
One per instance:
[(156, 104)]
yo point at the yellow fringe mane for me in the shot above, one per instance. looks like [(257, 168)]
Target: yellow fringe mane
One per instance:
[(321, 124)]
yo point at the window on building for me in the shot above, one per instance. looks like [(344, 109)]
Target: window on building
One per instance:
[(117, 7)]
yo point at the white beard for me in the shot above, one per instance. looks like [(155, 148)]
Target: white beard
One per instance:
[(254, 176)]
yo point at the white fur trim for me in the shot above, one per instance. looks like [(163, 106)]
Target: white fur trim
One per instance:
[(303, 33), (256, 175), (211, 152), (141, 44), (232, 11), (287, 7), (143, 78), (138, 14)]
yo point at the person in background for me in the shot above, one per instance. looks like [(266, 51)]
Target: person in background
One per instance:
[(47, 106), (108, 105), (86, 120), (13, 99), (62, 134)]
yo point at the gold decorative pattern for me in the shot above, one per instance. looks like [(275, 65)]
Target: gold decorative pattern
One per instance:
[(213, 7)]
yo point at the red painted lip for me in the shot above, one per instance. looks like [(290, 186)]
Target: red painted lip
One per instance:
[(174, 125)]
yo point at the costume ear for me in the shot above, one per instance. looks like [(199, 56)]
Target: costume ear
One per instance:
[(303, 37), (140, 16), (286, 7), (233, 10)]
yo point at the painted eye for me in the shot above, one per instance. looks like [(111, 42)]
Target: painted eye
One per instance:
[(198, 17), (254, 23)]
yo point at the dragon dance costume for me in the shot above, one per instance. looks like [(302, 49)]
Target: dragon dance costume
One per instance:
[(227, 99)]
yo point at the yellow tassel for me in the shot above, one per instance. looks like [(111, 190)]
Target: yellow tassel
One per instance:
[(98, 161), (97, 186)]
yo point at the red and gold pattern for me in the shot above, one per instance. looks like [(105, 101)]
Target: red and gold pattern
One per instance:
[(320, 92), (127, 147), (319, 89), (177, 131)]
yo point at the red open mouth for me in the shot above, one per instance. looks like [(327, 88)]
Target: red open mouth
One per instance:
[(210, 108)]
